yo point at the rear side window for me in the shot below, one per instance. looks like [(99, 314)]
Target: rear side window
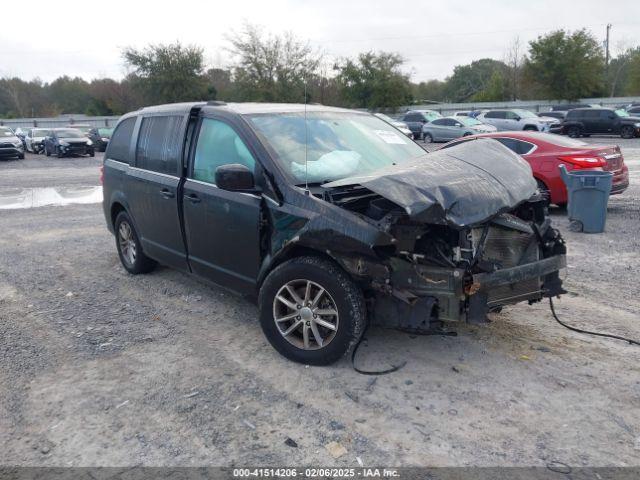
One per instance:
[(495, 114), (160, 144), (517, 146), (413, 117), (118, 148)]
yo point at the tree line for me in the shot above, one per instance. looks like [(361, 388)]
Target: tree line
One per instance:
[(560, 65)]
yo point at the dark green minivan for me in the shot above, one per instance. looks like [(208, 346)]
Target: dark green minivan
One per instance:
[(329, 218)]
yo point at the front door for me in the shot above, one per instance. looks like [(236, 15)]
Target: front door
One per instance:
[(222, 227)]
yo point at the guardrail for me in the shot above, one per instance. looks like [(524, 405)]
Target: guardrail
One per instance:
[(59, 121)]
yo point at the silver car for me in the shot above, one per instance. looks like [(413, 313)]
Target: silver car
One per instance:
[(449, 128)]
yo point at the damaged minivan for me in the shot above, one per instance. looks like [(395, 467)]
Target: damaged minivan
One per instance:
[(329, 218)]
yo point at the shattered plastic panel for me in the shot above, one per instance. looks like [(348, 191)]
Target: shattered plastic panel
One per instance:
[(460, 186)]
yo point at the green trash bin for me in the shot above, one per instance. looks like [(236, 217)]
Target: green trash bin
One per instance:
[(588, 194)]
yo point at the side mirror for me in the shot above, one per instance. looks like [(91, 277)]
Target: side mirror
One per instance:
[(517, 119), (234, 177)]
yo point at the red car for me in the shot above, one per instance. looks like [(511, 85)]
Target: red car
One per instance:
[(545, 152)]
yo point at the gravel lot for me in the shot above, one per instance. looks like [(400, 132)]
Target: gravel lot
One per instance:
[(100, 368)]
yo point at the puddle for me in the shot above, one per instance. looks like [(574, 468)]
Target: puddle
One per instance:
[(14, 198)]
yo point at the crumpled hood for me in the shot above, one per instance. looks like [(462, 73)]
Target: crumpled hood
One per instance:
[(460, 186)]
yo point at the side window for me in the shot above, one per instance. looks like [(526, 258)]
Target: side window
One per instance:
[(490, 115), (118, 148), (510, 143), (510, 115), (218, 144), (159, 144), (605, 114), (412, 117), (440, 121), (591, 114), (524, 147)]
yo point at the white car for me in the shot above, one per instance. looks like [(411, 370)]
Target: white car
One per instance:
[(517, 119), (34, 139)]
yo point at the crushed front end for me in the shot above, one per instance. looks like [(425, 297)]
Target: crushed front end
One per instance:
[(460, 247)]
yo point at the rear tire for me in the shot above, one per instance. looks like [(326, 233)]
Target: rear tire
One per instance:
[(574, 132), (130, 251), (627, 132), (309, 277), (21, 156), (47, 152)]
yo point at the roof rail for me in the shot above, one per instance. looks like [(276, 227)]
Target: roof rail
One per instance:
[(216, 103)]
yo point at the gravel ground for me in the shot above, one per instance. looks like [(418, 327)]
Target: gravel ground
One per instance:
[(100, 368)]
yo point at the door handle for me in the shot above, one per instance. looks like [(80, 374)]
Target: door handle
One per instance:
[(192, 197), (166, 193)]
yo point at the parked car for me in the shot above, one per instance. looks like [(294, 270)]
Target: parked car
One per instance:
[(633, 111), (35, 139), (448, 128), (517, 119), (415, 119), (475, 113), (311, 215), (399, 125), (100, 137), (461, 114), (546, 152), (67, 141), (10, 145), (591, 121)]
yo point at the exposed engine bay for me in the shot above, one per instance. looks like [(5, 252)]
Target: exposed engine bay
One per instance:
[(466, 237)]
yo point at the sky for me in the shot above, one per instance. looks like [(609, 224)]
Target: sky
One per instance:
[(79, 38)]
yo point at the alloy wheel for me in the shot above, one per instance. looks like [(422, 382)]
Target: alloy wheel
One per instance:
[(305, 314), (127, 242)]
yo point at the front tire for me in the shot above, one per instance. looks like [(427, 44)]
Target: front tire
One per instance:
[(311, 311), (130, 251), (428, 138), (47, 152)]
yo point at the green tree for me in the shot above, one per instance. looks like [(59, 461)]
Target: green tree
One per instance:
[(470, 82), (167, 73), (429, 91), (271, 68), (69, 95), (374, 81), (632, 82), (495, 90), (566, 65)]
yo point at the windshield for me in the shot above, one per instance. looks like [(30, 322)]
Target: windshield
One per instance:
[(39, 132), (468, 121), (5, 132), (339, 145), (105, 132), (430, 114), (622, 113), (69, 133), (82, 128), (524, 113)]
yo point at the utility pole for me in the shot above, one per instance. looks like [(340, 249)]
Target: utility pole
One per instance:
[(606, 58)]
